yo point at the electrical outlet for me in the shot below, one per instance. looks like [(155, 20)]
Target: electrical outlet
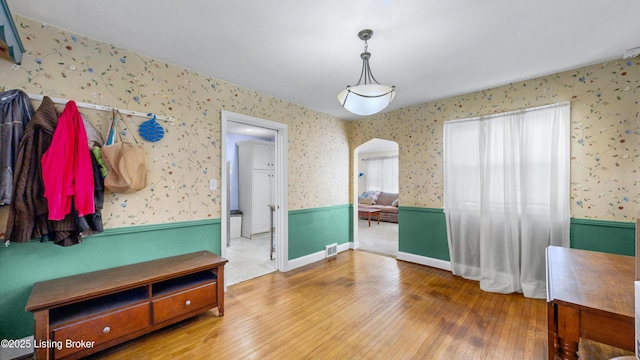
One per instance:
[(213, 184)]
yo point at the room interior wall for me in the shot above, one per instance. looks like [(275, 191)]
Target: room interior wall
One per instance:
[(605, 135), (65, 65), (605, 153)]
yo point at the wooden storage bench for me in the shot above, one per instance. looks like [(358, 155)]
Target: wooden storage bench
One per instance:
[(82, 314)]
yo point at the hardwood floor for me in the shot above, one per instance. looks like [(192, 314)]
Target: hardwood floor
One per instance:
[(359, 306)]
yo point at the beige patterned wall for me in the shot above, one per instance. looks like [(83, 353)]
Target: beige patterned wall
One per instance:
[(605, 172), (69, 66), (605, 136)]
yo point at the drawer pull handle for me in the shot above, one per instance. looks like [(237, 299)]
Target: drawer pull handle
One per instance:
[(106, 329), (187, 303)]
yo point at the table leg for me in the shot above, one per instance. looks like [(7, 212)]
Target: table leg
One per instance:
[(568, 331), (568, 350), (220, 289), (369, 219), (41, 335), (378, 218)]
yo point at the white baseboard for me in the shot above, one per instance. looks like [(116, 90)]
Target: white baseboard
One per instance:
[(311, 258), (16, 352), (423, 260), (344, 247)]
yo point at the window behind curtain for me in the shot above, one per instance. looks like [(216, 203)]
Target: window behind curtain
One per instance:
[(381, 173), (506, 196)]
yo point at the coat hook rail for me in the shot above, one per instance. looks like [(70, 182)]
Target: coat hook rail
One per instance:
[(101, 107)]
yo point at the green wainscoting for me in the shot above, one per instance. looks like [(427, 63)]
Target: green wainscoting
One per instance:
[(310, 230), (423, 231), (606, 236), (23, 264)]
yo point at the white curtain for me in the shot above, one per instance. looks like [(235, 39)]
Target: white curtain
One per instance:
[(381, 174), (506, 196)]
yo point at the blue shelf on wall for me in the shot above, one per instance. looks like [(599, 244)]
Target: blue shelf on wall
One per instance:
[(10, 45)]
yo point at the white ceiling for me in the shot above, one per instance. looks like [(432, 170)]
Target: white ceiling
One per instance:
[(307, 51)]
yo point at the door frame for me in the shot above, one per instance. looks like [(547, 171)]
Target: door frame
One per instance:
[(356, 191), (282, 183)]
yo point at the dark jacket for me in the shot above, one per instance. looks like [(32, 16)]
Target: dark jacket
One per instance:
[(92, 223), (15, 111), (28, 212)]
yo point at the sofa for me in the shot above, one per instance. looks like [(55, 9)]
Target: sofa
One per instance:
[(387, 203)]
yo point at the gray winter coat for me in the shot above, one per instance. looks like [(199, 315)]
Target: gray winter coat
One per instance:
[(15, 111)]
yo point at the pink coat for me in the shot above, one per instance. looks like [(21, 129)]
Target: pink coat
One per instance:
[(67, 172)]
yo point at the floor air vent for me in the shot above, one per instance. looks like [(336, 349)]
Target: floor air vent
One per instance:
[(331, 250)]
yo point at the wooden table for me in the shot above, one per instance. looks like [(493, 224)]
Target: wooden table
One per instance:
[(589, 295), (368, 212)]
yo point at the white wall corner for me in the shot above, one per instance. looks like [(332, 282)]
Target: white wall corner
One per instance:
[(311, 258), (423, 260)]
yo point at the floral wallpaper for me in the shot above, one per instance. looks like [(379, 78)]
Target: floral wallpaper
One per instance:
[(605, 136), (70, 66), (605, 139)]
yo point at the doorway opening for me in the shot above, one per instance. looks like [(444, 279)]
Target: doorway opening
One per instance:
[(253, 229), (376, 191)]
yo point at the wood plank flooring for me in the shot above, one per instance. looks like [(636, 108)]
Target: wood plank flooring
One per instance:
[(359, 306)]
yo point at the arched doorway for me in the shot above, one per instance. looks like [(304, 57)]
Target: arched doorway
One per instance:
[(376, 188)]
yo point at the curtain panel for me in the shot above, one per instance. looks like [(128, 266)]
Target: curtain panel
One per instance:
[(506, 196), (381, 174)]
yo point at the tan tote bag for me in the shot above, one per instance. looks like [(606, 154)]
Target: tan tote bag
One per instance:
[(126, 162)]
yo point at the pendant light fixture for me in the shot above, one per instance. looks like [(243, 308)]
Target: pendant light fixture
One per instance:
[(367, 96)]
